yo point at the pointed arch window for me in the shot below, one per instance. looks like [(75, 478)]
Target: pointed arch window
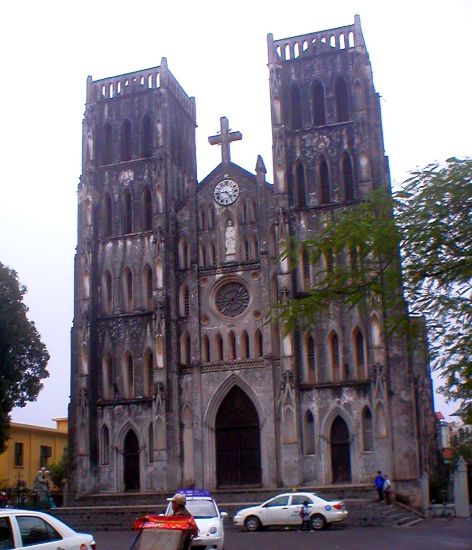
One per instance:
[(146, 137), (244, 345), (201, 219), (151, 442), (105, 445), (311, 359), (202, 255), (107, 376), (305, 270), (273, 242), (219, 347), (185, 354), (231, 346), (295, 107), (324, 181), (335, 357), (319, 109), (367, 430), (127, 212), (212, 254), (148, 372), (309, 433), (348, 178), (274, 289), (359, 347), (125, 140), (380, 421), (186, 302), (205, 349), (148, 284), (147, 209), (258, 344), (128, 375), (107, 216), (184, 305), (184, 262), (243, 212), (247, 250), (301, 185), (107, 157), (128, 290), (107, 293), (342, 100), (211, 218), (254, 248)]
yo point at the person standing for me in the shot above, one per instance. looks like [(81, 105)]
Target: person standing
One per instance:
[(379, 485), (387, 489), (305, 516)]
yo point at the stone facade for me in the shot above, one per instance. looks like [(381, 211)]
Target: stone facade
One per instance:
[(177, 378)]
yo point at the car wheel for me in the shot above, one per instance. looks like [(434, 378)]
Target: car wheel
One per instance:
[(252, 523), (318, 522)]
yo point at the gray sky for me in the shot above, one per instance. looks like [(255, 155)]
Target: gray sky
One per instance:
[(420, 53)]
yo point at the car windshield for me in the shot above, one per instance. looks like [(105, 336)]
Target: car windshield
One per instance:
[(201, 509)]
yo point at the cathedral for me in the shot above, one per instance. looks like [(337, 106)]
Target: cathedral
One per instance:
[(178, 378)]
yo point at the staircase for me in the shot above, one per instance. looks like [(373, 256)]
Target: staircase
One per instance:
[(117, 512)]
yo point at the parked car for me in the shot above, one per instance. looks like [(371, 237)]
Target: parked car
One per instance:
[(28, 528), (207, 516), (285, 510)]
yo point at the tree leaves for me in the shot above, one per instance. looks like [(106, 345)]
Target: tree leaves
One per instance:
[(430, 222), (23, 357)]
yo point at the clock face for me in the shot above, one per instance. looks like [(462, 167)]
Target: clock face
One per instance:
[(226, 192)]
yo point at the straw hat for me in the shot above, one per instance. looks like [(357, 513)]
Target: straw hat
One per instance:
[(179, 499)]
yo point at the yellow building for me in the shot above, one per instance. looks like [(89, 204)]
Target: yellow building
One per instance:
[(29, 448)]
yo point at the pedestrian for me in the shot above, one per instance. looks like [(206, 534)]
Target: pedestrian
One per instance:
[(178, 503), (305, 516), (379, 485), (387, 489)]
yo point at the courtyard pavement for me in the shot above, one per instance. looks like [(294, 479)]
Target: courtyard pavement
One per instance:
[(435, 534)]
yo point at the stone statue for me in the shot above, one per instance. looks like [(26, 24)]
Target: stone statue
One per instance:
[(230, 240)]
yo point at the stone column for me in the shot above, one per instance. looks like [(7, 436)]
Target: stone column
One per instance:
[(461, 490)]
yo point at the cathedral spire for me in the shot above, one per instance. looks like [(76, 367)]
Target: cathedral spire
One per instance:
[(224, 138)]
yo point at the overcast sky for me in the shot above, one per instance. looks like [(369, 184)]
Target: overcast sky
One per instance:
[(420, 53)]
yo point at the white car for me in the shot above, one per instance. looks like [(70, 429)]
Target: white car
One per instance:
[(208, 518), (285, 510), (39, 531)]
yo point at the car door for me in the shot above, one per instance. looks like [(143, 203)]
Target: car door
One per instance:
[(38, 534), (7, 541), (296, 502), (275, 511)]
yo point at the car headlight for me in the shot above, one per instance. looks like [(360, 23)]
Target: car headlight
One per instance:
[(213, 530)]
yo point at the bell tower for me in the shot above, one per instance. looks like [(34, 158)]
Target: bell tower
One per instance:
[(139, 169)]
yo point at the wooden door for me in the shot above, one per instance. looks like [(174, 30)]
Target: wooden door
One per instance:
[(340, 451), (131, 462), (238, 446)]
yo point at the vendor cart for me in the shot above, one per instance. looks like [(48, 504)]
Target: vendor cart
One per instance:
[(164, 533)]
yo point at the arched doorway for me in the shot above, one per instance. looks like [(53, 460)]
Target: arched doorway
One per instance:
[(238, 441), (131, 462), (340, 451)]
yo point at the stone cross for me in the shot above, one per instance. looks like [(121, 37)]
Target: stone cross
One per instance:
[(224, 138)]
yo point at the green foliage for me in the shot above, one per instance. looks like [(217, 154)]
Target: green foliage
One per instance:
[(23, 357), (58, 471), (434, 210), (355, 261)]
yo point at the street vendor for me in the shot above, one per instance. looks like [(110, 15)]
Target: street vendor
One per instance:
[(178, 503)]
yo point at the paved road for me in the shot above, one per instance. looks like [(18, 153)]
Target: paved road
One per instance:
[(438, 534)]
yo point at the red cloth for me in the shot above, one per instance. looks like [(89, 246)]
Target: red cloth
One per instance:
[(182, 523)]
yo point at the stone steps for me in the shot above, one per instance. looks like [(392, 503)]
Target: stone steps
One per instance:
[(104, 513)]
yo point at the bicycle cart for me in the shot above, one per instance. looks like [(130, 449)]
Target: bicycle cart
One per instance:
[(163, 533)]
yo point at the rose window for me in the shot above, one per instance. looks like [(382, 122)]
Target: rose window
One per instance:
[(232, 299)]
